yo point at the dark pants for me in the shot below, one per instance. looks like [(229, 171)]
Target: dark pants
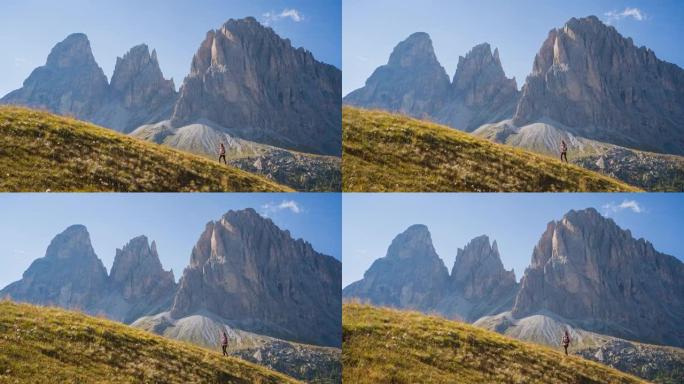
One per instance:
[(566, 349), (222, 157), (564, 155), (226, 353)]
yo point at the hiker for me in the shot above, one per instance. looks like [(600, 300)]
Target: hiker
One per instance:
[(224, 343), (564, 151), (222, 154), (566, 342)]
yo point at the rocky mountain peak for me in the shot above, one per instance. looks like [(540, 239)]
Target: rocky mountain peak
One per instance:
[(587, 269), (73, 242), (478, 271), (247, 79), (244, 259), (414, 242), (138, 273), (415, 51), (599, 85), (74, 51)]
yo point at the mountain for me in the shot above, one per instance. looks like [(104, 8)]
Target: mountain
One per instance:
[(70, 275), (140, 88), (588, 270), (389, 152), (480, 276), (247, 79), (70, 82), (383, 345), (480, 91), (414, 83), (601, 86), (141, 284), (413, 276), (253, 274), (43, 152), (50, 345)]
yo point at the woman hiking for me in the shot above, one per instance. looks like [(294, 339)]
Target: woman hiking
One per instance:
[(224, 343), (222, 154), (566, 342), (564, 151)]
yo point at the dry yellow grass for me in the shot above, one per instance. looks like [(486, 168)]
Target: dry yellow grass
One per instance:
[(49, 345), (40, 151), (389, 346), (384, 152)]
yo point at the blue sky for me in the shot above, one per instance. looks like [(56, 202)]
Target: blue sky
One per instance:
[(30, 221), (30, 28), (372, 28), (515, 221)]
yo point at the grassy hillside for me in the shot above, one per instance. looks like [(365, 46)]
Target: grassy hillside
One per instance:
[(42, 151), (45, 345), (390, 346), (388, 152)]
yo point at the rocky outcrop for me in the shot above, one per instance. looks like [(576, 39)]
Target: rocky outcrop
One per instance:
[(138, 278), (589, 78), (411, 275), (412, 82), (247, 79), (480, 91), (70, 275), (70, 82), (653, 363), (590, 271), (253, 274), (140, 88), (478, 275)]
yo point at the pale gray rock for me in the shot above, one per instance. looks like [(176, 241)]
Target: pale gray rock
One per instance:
[(590, 271), (246, 78), (253, 274), (600, 85), (70, 275)]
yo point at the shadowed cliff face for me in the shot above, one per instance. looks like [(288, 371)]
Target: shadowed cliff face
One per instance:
[(246, 78), (412, 276), (70, 275), (587, 269), (414, 83), (248, 271), (589, 78)]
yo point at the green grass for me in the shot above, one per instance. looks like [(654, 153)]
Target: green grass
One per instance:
[(47, 345), (40, 151), (385, 152), (390, 346)]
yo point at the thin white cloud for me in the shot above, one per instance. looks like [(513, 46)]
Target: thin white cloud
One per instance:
[(631, 205), (634, 13), (20, 62), (287, 13), (286, 205)]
